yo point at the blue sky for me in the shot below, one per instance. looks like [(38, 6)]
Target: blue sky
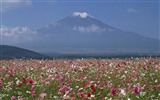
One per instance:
[(140, 16)]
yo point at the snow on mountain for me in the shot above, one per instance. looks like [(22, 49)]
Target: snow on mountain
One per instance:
[(81, 14)]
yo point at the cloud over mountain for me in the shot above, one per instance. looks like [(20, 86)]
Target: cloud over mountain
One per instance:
[(11, 35), (89, 29), (131, 10)]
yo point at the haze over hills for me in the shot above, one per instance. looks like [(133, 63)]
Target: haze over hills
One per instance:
[(82, 33)]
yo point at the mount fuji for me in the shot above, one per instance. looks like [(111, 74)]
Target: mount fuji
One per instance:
[(81, 32)]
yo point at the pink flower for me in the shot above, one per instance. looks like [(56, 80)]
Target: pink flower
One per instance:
[(136, 90), (8, 69), (80, 94), (113, 91), (105, 83), (73, 98), (60, 91), (21, 99), (64, 89), (32, 90), (43, 95), (33, 95), (157, 86), (10, 75), (13, 98), (144, 86), (47, 83), (67, 97)]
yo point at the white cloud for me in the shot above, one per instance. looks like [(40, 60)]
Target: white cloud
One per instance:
[(111, 29), (89, 29), (8, 4), (131, 10), (15, 35)]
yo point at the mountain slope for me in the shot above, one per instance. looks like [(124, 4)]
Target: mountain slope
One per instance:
[(81, 30), (9, 52)]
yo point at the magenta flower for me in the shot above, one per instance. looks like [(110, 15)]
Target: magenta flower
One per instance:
[(43, 74), (113, 91), (33, 95), (136, 89), (24, 81), (137, 74), (31, 81), (20, 84), (93, 89), (88, 94)]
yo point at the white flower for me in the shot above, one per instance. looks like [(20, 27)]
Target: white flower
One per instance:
[(142, 74), (77, 86), (80, 89), (137, 97), (156, 81), (142, 93), (43, 95), (17, 82), (28, 92), (110, 65), (123, 92), (56, 97), (125, 72), (92, 96)]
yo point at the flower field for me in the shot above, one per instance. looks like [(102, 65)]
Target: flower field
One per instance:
[(80, 79)]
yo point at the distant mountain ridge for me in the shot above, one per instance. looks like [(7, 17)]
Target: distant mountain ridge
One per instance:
[(80, 30), (9, 52)]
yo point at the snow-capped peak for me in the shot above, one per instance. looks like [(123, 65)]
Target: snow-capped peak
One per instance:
[(81, 14)]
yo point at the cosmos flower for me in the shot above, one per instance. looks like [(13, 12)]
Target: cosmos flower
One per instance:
[(85, 85), (136, 89), (93, 89), (47, 83), (113, 91), (31, 81), (13, 98)]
